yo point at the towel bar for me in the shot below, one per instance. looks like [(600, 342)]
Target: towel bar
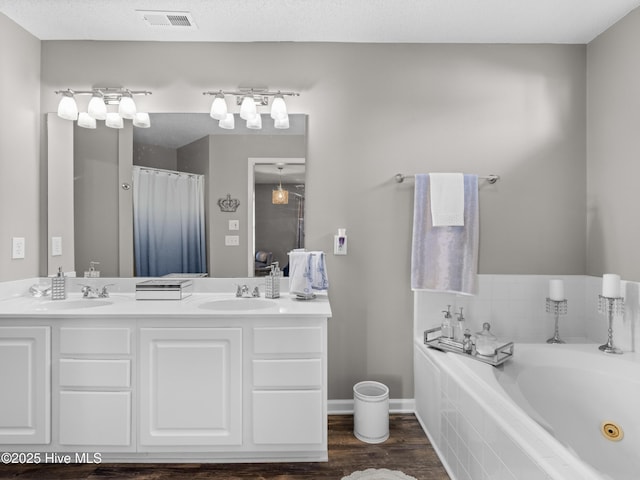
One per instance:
[(489, 178)]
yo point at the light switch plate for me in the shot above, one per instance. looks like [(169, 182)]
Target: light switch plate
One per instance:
[(17, 247), (231, 240), (234, 224), (56, 246)]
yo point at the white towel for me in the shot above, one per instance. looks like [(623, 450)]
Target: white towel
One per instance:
[(307, 272), (447, 199), (445, 259)]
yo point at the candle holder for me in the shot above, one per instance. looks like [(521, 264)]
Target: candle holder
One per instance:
[(611, 306), (557, 307)]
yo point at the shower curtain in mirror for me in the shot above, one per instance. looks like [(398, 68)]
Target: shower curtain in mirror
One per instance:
[(168, 222)]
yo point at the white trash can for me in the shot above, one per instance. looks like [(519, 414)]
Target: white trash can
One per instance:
[(371, 412)]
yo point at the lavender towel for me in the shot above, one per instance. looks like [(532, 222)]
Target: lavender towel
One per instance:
[(445, 259)]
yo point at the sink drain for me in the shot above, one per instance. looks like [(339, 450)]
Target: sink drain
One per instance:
[(612, 431)]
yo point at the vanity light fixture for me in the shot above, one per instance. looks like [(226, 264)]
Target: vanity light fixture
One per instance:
[(249, 100), (280, 196), (101, 97)]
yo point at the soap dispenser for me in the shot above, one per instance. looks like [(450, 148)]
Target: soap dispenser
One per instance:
[(272, 282), (59, 286), (446, 327), (458, 334)]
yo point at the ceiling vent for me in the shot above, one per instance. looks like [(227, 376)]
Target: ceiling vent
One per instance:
[(177, 20)]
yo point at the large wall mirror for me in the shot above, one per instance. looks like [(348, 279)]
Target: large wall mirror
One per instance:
[(175, 173)]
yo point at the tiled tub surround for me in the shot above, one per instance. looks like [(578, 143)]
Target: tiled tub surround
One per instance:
[(479, 433)]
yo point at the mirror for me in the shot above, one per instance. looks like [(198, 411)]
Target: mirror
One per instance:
[(96, 224)]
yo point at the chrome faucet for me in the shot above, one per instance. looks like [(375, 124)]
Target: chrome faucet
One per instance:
[(91, 292), (244, 292)]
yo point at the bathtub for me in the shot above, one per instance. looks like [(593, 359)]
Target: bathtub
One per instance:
[(551, 412)]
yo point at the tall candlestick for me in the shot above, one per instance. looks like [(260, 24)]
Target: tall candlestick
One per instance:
[(611, 285), (556, 290)]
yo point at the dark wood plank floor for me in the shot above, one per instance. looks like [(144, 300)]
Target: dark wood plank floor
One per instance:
[(407, 449)]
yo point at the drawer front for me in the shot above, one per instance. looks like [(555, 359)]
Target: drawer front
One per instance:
[(286, 340), (95, 373), (288, 417), (298, 373), (96, 341)]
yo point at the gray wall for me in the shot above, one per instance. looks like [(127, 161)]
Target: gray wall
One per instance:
[(20, 124), (613, 140), (375, 110)]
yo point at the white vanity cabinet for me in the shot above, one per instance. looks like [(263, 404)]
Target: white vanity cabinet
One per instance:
[(288, 390), (190, 387), (157, 381), (94, 387), (25, 384)]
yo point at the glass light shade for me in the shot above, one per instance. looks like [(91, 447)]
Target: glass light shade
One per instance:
[(255, 122), (114, 120), (228, 123), (278, 108), (282, 123), (142, 120), (248, 108), (127, 108), (67, 108), (219, 108), (97, 108), (86, 121), (280, 196)]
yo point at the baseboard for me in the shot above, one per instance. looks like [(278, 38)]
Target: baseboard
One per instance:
[(396, 405)]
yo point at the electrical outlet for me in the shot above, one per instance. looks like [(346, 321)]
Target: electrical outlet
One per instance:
[(231, 240), (56, 246), (17, 247), (234, 224)]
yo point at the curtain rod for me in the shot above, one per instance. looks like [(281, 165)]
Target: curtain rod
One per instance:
[(489, 178)]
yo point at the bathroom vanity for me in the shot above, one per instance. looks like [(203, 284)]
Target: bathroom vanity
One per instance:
[(210, 378)]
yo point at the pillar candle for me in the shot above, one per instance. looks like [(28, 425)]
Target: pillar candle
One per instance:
[(556, 290), (611, 285)]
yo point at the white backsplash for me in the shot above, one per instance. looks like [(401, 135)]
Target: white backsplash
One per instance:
[(515, 306)]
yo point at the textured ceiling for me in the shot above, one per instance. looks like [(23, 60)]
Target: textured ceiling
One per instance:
[(383, 21)]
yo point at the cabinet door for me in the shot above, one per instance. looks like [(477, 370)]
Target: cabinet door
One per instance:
[(25, 379), (191, 386)]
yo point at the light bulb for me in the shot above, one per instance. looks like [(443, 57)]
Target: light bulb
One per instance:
[(67, 108), (228, 123), (278, 107), (255, 122), (127, 108), (219, 108), (86, 121), (114, 120), (97, 108), (248, 108), (141, 120)]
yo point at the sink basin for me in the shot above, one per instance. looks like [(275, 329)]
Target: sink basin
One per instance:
[(73, 304), (237, 304)]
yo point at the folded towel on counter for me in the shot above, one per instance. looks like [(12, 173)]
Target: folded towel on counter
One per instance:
[(447, 199), (307, 272), (445, 259)]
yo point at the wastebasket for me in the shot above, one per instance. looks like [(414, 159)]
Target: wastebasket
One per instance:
[(371, 412)]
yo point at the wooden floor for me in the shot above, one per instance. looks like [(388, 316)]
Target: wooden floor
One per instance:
[(407, 449)]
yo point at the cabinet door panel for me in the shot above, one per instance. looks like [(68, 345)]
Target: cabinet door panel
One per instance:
[(288, 417), (191, 386), (95, 418), (25, 383)]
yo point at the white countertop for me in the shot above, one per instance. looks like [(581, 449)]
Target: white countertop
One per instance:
[(198, 305)]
